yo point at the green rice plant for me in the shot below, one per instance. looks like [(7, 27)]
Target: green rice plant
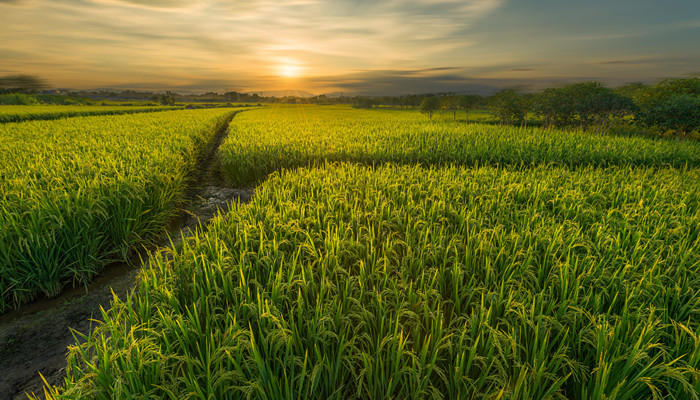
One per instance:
[(78, 193), (267, 140), (348, 281), (19, 113)]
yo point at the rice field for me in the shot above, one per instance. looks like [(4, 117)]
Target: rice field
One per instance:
[(263, 141), (79, 192), (347, 282), (27, 113), (387, 256)]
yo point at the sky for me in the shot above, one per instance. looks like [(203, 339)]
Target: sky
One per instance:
[(388, 47)]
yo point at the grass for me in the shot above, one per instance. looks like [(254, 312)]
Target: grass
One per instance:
[(79, 192)]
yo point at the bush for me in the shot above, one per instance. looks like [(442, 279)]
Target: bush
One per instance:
[(17, 99), (672, 105)]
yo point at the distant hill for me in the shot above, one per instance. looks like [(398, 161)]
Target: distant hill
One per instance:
[(334, 94)]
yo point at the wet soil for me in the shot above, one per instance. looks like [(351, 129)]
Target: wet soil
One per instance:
[(34, 338)]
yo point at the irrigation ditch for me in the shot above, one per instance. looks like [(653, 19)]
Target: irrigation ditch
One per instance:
[(35, 337)]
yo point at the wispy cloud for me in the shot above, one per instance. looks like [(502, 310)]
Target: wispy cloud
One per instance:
[(426, 80), (245, 38), (154, 3), (243, 44)]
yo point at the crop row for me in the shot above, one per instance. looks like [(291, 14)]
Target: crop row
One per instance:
[(408, 282), (29, 113), (79, 192), (263, 141)]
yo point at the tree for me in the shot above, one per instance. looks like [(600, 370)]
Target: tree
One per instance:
[(677, 112), (231, 96), (450, 103), (167, 99), (589, 104), (631, 90), (673, 104), (594, 104), (608, 106), (365, 102), (468, 103), (429, 105), (555, 107), (527, 101), (413, 101), (508, 106), (680, 86)]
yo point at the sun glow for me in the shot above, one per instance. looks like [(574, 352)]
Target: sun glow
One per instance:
[(288, 70)]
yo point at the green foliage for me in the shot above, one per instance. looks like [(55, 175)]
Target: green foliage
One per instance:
[(631, 90), (559, 265), (365, 102), (44, 112), (167, 99), (429, 105), (62, 100), (675, 112), (672, 105), (76, 193), (406, 282), (589, 105), (678, 86), (450, 103), (556, 107), (509, 107), (265, 140), (17, 99), (468, 103), (595, 105)]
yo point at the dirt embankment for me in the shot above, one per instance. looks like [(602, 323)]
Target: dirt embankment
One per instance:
[(34, 339)]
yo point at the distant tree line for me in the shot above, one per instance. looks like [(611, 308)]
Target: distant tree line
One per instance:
[(671, 106), (167, 99), (588, 105)]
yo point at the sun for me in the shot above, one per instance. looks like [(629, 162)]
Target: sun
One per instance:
[(288, 70)]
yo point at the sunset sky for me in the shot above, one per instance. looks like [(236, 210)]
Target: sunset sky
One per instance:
[(353, 46)]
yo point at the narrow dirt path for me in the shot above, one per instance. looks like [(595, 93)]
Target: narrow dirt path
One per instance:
[(34, 339)]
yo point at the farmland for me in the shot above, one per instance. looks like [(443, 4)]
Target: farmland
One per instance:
[(386, 255), (400, 281), (76, 193), (263, 141), (43, 112)]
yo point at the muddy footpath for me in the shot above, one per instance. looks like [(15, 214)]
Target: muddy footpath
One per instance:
[(34, 338)]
